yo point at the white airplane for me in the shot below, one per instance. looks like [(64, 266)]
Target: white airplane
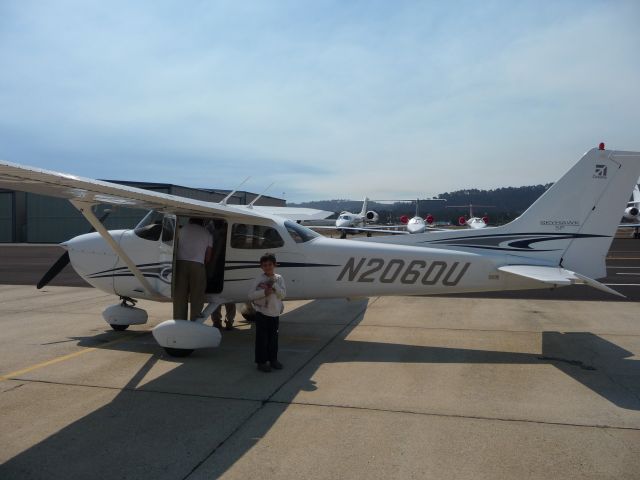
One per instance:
[(417, 224), (562, 239), (632, 213), (353, 222), (472, 221)]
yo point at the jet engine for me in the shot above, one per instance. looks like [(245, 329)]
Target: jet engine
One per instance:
[(404, 219), (372, 216), (429, 219), (631, 213), (462, 221)]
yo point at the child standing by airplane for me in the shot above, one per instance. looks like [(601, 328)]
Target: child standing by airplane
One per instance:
[(267, 292)]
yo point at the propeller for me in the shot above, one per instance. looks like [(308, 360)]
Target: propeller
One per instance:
[(62, 262)]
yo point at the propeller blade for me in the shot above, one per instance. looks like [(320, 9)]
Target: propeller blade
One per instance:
[(54, 270), (62, 262)]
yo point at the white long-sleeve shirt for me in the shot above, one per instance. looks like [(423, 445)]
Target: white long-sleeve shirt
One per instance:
[(270, 305)]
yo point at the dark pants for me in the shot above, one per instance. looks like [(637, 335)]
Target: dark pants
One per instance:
[(266, 338)]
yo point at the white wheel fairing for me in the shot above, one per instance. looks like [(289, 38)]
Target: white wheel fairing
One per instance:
[(186, 335), (124, 315)]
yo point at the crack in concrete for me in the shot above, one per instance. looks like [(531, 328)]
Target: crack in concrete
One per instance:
[(13, 388), (453, 415)]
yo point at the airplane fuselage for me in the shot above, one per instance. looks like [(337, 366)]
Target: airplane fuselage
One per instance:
[(315, 267)]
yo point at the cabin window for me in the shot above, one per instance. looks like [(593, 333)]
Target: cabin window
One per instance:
[(258, 237), (299, 233)]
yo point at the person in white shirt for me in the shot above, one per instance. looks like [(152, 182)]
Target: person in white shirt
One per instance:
[(195, 247), (266, 294)]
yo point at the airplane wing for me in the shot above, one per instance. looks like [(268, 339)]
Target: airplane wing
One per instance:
[(71, 187), (293, 213), (555, 276)]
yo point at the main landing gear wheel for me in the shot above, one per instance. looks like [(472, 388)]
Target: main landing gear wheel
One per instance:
[(119, 328), (178, 352)]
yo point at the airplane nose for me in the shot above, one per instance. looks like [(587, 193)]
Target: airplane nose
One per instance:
[(90, 253)]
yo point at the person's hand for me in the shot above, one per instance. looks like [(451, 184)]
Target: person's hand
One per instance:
[(268, 290)]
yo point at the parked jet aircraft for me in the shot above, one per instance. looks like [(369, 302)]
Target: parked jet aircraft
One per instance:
[(417, 224), (632, 213), (562, 239), (472, 221), (348, 221)]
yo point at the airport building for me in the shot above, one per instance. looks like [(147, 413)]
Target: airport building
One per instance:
[(31, 218)]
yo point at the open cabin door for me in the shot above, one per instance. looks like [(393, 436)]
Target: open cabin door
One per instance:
[(215, 268), (166, 255)]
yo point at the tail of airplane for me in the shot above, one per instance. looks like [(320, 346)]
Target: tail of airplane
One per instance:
[(365, 202), (573, 223), (636, 196)]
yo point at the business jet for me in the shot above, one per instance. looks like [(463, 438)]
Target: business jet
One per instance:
[(417, 224), (472, 222), (348, 222), (562, 239), (632, 213)]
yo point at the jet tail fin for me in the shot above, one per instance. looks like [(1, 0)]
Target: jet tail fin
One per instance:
[(365, 207)]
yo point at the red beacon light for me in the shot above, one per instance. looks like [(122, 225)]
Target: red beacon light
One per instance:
[(601, 146)]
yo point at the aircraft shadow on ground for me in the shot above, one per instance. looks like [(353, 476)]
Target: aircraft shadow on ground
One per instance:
[(148, 435)]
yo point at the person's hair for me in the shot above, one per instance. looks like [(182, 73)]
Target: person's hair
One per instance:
[(197, 221), (268, 257)]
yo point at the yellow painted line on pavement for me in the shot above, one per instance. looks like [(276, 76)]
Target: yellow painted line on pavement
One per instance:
[(53, 361)]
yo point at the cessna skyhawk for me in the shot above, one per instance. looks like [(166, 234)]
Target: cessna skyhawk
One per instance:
[(562, 239)]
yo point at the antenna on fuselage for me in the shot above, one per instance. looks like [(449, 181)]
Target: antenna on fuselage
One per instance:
[(225, 199), (261, 194)]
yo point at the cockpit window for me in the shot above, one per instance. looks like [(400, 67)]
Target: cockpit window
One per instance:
[(150, 227), (255, 237), (299, 233)]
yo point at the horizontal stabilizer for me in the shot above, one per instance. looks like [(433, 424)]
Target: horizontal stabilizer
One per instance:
[(555, 276)]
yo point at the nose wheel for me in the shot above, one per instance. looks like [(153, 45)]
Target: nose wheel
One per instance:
[(121, 315)]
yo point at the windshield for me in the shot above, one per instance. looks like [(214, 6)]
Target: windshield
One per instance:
[(150, 227), (299, 233)]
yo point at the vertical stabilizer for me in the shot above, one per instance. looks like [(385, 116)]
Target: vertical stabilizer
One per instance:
[(365, 202), (580, 213)]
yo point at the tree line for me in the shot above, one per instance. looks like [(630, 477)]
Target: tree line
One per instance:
[(505, 204)]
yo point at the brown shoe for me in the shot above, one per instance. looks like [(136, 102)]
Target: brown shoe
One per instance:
[(276, 364), (263, 367)]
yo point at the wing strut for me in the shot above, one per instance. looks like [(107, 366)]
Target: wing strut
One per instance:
[(85, 209)]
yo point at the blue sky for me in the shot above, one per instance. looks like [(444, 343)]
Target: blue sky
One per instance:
[(329, 99)]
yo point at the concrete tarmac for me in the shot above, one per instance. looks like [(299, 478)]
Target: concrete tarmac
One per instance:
[(392, 387)]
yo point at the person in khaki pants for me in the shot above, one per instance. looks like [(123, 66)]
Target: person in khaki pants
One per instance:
[(194, 252)]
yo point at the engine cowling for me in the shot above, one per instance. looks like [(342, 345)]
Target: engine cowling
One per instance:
[(631, 213), (462, 221), (372, 216), (429, 219), (485, 219), (404, 219)]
